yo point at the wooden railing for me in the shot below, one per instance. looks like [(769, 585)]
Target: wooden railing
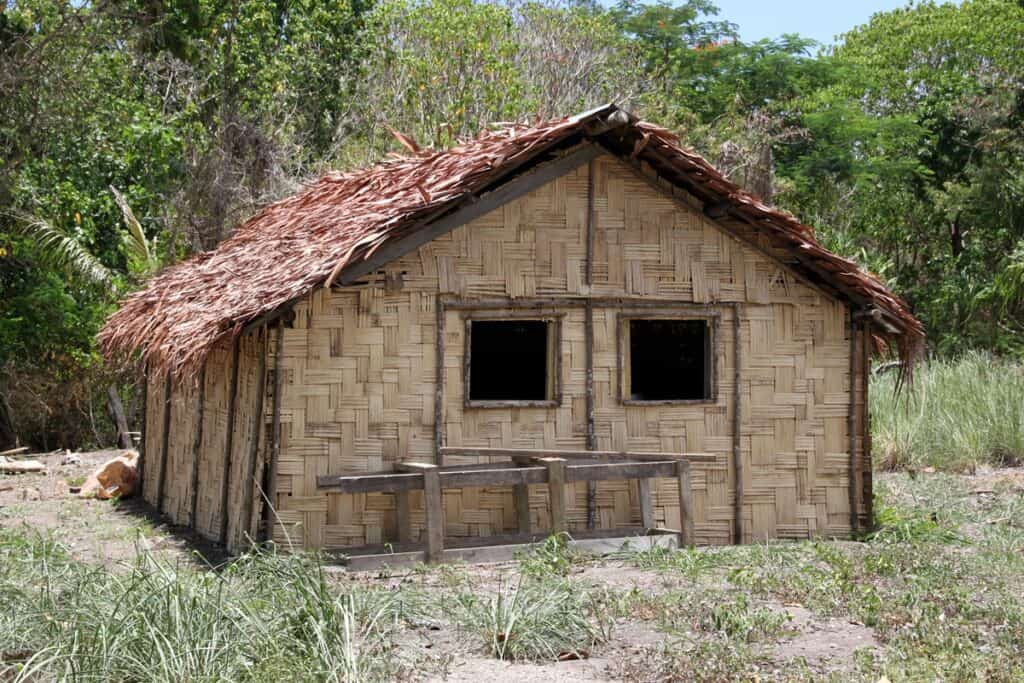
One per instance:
[(556, 468)]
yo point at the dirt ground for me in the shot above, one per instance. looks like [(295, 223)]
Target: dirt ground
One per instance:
[(110, 532), (95, 530)]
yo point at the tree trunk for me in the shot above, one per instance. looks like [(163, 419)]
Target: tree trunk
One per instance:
[(956, 237), (116, 410), (8, 438)]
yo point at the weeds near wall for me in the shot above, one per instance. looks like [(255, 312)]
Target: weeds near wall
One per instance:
[(958, 414)]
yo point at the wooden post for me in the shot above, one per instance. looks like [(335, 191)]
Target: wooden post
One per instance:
[(556, 492), (686, 534), (165, 439), (145, 428), (521, 492), (867, 487), (588, 330), (646, 504), (434, 505), (251, 484), (197, 448), (404, 518), (439, 382), (270, 475), (225, 488), (737, 427), (116, 409), (851, 424)]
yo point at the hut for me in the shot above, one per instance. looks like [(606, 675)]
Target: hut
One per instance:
[(575, 325)]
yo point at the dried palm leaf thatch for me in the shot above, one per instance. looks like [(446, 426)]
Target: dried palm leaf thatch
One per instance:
[(304, 241)]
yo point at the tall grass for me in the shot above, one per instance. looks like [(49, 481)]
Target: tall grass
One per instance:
[(957, 415), (267, 617)]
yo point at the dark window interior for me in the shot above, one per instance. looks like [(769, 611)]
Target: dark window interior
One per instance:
[(668, 360), (508, 360)]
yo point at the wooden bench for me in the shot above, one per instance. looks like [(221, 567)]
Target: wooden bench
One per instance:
[(523, 467)]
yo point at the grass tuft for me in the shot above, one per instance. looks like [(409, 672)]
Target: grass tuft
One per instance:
[(535, 620), (266, 617), (958, 414)]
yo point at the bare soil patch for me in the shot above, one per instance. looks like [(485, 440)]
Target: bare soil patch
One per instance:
[(98, 531)]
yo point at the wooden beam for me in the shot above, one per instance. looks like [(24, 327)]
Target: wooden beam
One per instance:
[(378, 482), (500, 476), (433, 502), (686, 532), (536, 472), (145, 428), (556, 493), (851, 423), (225, 488), (116, 410), (525, 304), (716, 210), (588, 331), (165, 439), (646, 504), (197, 448), (614, 471), (469, 210), (737, 425), (250, 483), (270, 476), (414, 466), (511, 453), (439, 307), (867, 487)]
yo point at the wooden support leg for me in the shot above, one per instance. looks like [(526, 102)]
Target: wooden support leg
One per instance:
[(522, 496), (646, 505), (556, 492), (435, 514), (404, 518), (685, 504)]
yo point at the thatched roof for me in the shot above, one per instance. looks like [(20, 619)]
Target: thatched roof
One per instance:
[(304, 241)]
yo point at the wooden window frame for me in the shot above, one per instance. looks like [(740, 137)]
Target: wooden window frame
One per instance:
[(712, 351), (554, 358)]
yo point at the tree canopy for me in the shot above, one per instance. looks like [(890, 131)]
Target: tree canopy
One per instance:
[(133, 133)]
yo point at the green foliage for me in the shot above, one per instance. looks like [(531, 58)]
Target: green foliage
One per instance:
[(552, 557), (135, 133), (959, 414), (266, 617), (914, 152), (532, 619)]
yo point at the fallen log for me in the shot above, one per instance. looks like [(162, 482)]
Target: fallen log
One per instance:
[(14, 451), (22, 467)]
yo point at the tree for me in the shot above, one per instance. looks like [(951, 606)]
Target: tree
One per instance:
[(916, 156)]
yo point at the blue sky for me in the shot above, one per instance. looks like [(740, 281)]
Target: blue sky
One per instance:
[(821, 20)]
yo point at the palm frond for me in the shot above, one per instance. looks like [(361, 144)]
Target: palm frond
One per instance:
[(135, 241), (63, 251)]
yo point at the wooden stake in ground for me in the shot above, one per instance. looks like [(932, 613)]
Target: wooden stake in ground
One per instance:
[(116, 410)]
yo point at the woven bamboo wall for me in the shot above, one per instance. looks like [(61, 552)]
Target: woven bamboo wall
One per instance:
[(205, 404), (246, 446), (180, 458), (216, 398), (152, 450), (359, 374)]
